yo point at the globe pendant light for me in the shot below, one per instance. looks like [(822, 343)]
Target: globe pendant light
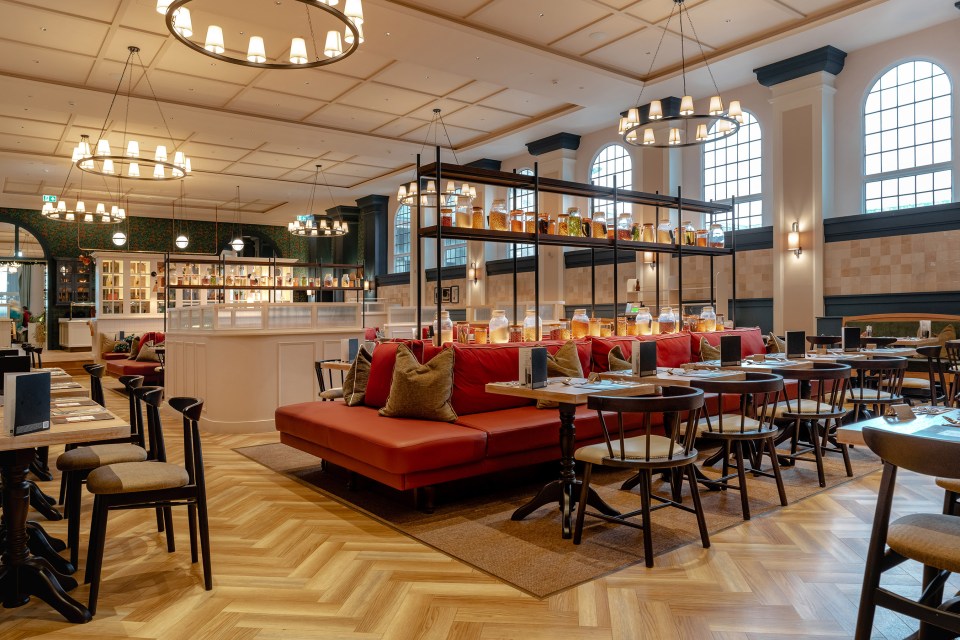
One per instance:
[(119, 238), (182, 241)]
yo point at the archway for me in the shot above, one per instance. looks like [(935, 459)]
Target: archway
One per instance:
[(24, 280)]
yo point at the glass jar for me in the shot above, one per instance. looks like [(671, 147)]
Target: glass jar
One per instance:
[(689, 233), (446, 217), (594, 328), (446, 327), (477, 222), (621, 325), (499, 327), (529, 222), (635, 232), (574, 222), (464, 212), (702, 237), (563, 224), (516, 333), (206, 278), (345, 281), (708, 320), (717, 237), (648, 233), (480, 334), (498, 216), (624, 226), (665, 232), (532, 327), (599, 225), (328, 280), (463, 332), (516, 221), (606, 328), (229, 278), (580, 324), (546, 224), (667, 321)]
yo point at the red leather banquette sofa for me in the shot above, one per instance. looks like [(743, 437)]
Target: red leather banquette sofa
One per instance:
[(120, 364), (492, 432)]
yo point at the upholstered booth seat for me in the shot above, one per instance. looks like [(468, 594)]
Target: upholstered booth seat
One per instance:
[(99, 455), (130, 477)]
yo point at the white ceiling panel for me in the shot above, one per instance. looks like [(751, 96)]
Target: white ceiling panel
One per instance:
[(101, 10), (45, 64), (380, 97), (656, 11), (22, 144), (475, 91), (424, 79), (32, 128), (521, 102), (277, 159), (538, 21), (48, 29), (482, 118), (720, 22), (180, 59), (353, 118), (459, 8), (278, 105), (398, 128), (315, 84), (256, 170), (597, 35), (356, 170), (636, 51)]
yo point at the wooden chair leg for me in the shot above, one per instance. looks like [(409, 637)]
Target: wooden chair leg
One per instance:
[(771, 447), (742, 477), (192, 523), (72, 508), (845, 452), (98, 538), (159, 520), (875, 553), (168, 527), (697, 507), (817, 451), (646, 479), (205, 542), (582, 504)]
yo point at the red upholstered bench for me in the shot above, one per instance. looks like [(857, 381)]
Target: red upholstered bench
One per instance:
[(124, 366)]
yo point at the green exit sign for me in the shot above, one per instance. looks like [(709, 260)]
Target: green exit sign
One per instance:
[(50, 199)]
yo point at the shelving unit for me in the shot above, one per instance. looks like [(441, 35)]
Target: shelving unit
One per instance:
[(441, 172), (73, 282), (111, 287)]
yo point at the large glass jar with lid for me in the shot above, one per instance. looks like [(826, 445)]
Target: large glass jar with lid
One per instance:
[(498, 216), (499, 327), (689, 233), (516, 220), (599, 225), (644, 322), (532, 327), (563, 224), (624, 225), (665, 232), (446, 216), (574, 222), (579, 324), (667, 320), (648, 233), (445, 329), (716, 237), (708, 320), (464, 218)]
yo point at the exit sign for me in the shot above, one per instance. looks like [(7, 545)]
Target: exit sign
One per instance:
[(50, 199)]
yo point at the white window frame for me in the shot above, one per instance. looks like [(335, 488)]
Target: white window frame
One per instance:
[(525, 200), (749, 208), (397, 254), (607, 205)]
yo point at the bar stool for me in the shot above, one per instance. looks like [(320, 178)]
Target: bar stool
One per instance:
[(874, 383), (759, 395), (821, 411), (880, 341)]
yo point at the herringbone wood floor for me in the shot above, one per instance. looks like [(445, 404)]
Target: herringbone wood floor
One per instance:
[(289, 563)]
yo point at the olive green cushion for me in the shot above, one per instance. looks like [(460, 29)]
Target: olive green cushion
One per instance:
[(616, 361), (107, 344), (147, 354), (708, 351), (355, 384), (565, 363), (99, 455), (132, 477), (421, 391)]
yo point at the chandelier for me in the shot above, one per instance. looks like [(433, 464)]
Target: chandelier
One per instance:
[(669, 123), (296, 56), (129, 160), (315, 225), (61, 211), (408, 192)]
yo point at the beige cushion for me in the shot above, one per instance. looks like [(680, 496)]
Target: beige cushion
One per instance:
[(634, 448), (731, 424), (421, 391), (869, 395), (949, 484), (616, 361), (915, 383), (565, 363), (147, 354), (107, 344), (929, 538), (131, 477), (708, 351), (332, 394), (99, 455), (801, 406), (776, 344), (355, 384)]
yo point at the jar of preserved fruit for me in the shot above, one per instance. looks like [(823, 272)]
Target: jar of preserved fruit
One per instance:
[(532, 327), (624, 226), (464, 212), (606, 328), (599, 224), (622, 325), (563, 224), (665, 232), (546, 224), (574, 222), (516, 333), (499, 327), (717, 237), (579, 324), (689, 233), (529, 222), (702, 237), (516, 221), (667, 321), (648, 233), (477, 222), (708, 319), (594, 329), (446, 217), (498, 216), (445, 329)]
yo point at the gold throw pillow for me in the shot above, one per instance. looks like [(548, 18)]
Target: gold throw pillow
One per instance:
[(776, 344), (616, 361), (565, 363), (708, 351), (421, 391), (355, 384)]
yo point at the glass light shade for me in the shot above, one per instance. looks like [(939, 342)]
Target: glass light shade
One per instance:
[(348, 35), (187, 167), (81, 207), (716, 106), (298, 51), (214, 41), (101, 210), (84, 147), (793, 238), (431, 187), (162, 5), (69, 217), (344, 228), (256, 52), (237, 244), (724, 126), (674, 136), (402, 193), (353, 9), (76, 154), (182, 22), (182, 241), (701, 132), (133, 149), (473, 192), (649, 137), (121, 213), (119, 238), (648, 257), (735, 111), (179, 159), (158, 171), (656, 110), (161, 154), (108, 166), (103, 147), (366, 285), (686, 106), (87, 164), (451, 187), (113, 210), (333, 46), (133, 170)]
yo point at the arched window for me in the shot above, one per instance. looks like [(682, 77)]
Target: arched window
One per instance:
[(732, 168), (906, 135), (612, 164), (401, 240), (524, 200)]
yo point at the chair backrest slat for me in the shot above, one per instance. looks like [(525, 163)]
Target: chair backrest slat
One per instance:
[(191, 408), (755, 390)]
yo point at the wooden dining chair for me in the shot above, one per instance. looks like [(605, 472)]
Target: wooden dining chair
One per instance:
[(951, 349), (752, 425), (327, 389), (875, 384), (149, 485), (929, 538), (932, 388), (819, 410), (644, 454), (96, 372)]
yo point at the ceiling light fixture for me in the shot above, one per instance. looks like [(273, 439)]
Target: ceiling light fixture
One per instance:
[(671, 123), (319, 225), (296, 56), (167, 163), (60, 211), (427, 191), (237, 244)]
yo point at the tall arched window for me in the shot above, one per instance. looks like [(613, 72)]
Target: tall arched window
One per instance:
[(732, 168), (524, 200), (612, 164), (906, 129), (401, 240)]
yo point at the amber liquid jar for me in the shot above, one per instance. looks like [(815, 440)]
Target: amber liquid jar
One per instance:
[(478, 218), (563, 224), (516, 221)]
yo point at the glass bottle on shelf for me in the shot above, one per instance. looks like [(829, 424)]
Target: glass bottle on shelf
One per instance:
[(529, 221), (644, 322), (206, 278), (499, 327), (498, 216), (328, 280), (665, 232), (708, 320), (667, 321), (574, 222), (621, 325), (594, 329), (717, 237), (624, 226), (532, 327), (606, 328), (579, 324), (445, 329), (689, 233), (546, 224), (702, 237), (648, 233), (345, 283), (464, 213)]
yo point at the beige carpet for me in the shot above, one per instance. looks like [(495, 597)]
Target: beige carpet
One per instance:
[(472, 520)]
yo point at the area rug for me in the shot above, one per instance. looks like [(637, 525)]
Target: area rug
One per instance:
[(472, 519)]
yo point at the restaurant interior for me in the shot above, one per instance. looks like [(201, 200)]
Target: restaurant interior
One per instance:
[(479, 319)]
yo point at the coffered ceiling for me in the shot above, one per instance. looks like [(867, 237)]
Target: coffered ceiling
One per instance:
[(504, 72)]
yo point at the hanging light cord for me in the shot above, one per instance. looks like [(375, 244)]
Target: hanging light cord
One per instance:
[(703, 55), (330, 192), (313, 36), (313, 191), (239, 222), (656, 52)]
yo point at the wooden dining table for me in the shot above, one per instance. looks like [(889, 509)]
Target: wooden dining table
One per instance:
[(565, 489), (22, 574), (924, 425)]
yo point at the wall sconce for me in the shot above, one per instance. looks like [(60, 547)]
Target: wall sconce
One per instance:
[(366, 285), (650, 259), (793, 239), (473, 273)]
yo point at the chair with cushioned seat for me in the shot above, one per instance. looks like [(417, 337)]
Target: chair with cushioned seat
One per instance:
[(951, 349), (644, 454), (820, 412), (758, 395), (933, 539), (875, 383), (153, 484), (933, 388), (327, 390)]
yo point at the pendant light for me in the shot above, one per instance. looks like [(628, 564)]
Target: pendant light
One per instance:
[(237, 243), (319, 225)]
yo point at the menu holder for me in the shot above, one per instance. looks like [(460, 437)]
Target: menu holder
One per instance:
[(643, 358), (26, 407), (796, 344), (730, 351), (851, 339), (533, 367)]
